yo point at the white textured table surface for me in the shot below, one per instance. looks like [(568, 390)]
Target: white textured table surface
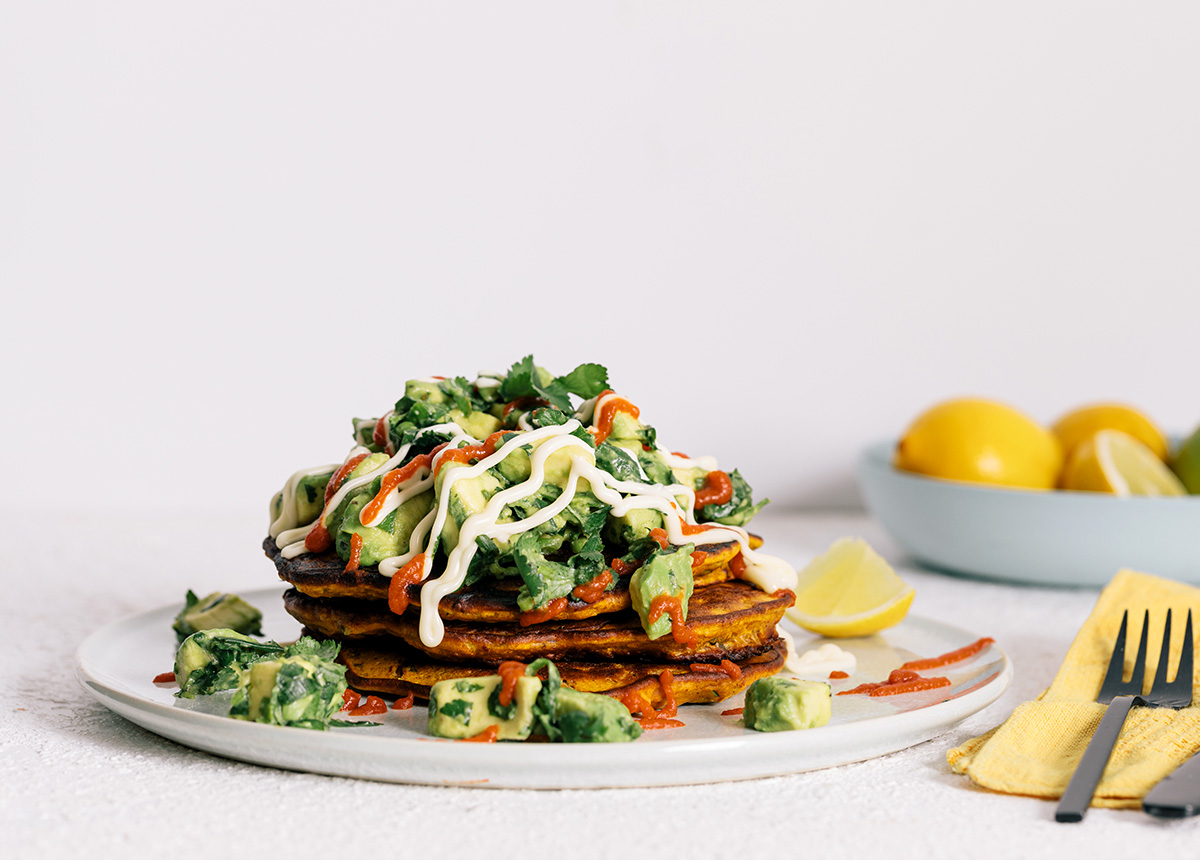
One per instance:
[(75, 776)]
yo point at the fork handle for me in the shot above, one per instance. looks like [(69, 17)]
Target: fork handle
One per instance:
[(1078, 796)]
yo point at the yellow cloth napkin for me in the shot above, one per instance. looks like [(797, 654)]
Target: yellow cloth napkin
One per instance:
[(1035, 751)]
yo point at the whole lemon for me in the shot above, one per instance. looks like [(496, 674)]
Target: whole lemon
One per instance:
[(981, 441), (1085, 422)]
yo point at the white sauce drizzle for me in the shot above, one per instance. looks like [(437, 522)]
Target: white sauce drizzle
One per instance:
[(289, 517), (416, 541), (817, 663), (587, 410), (361, 424), (677, 461)]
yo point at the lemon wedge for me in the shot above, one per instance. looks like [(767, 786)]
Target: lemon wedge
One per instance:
[(1085, 422), (850, 591), (1113, 462)]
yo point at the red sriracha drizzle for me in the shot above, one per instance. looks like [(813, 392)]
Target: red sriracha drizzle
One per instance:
[(373, 705), (318, 539), (604, 418), (717, 490)]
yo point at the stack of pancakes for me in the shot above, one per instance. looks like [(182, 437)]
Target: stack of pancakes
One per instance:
[(598, 647)]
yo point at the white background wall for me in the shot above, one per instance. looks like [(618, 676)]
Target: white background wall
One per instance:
[(226, 228)]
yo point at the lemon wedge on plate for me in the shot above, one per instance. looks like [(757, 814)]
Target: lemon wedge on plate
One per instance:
[(1113, 462), (850, 591)]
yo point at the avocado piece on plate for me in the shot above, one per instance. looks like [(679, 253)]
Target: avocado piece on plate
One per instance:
[(300, 689), (778, 704), (464, 707), (593, 718), (210, 661), (217, 610)]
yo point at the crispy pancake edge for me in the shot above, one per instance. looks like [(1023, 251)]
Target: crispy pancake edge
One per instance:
[(727, 617), (324, 575), (382, 668)]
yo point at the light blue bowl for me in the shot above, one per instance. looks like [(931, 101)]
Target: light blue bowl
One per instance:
[(1047, 538)]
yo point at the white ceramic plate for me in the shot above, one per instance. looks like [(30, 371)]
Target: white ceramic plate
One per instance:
[(118, 664), (1044, 538)]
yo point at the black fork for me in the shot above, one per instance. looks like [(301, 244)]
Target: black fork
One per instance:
[(1121, 695)]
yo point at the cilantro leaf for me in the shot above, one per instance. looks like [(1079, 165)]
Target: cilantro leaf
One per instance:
[(526, 379), (554, 393), (587, 380), (518, 382)]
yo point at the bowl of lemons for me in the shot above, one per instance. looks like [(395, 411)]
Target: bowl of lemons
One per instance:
[(977, 487)]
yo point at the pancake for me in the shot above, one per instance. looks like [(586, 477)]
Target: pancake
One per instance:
[(489, 601), (731, 620), (395, 669), (506, 473)]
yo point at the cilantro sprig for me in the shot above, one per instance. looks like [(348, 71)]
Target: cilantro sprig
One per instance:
[(525, 379)]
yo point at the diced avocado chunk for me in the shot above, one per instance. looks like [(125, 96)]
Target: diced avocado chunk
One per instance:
[(259, 685), (296, 690), (378, 542), (635, 524), (217, 610), (478, 424), (655, 467), (625, 426), (688, 477), (782, 704), (424, 389), (593, 718), (310, 496), (369, 463), (515, 467), (543, 579), (408, 515), (558, 465), (468, 496), (213, 660), (669, 573), (464, 707)]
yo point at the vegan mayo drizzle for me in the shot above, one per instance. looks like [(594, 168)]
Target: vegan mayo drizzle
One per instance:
[(764, 571)]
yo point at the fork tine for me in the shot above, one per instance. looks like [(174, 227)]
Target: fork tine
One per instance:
[(1138, 681), (1164, 657), (1116, 665), (1182, 685)]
